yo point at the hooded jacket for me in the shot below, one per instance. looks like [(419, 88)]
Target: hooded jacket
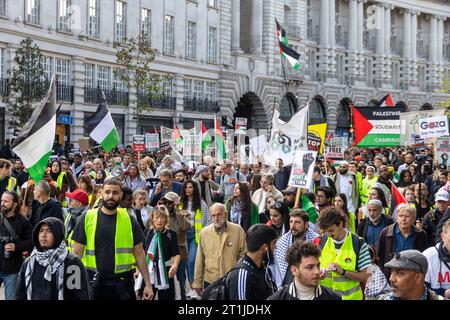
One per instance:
[(51, 208), (76, 285)]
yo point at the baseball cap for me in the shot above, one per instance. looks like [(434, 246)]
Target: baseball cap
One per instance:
[(412, 260), (290, 190), (79, 195), (171, 196), (442, 195), (77, 154)]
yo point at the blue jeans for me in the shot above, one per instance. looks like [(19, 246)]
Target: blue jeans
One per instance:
[(181, 276), (10, 280), (192, 251)]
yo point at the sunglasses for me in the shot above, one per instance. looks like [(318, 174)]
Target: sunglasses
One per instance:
[(398, 256), (276, 205)]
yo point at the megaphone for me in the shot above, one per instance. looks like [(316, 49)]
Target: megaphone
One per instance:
[(117, 171)]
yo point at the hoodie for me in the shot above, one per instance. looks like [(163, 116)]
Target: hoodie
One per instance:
[(51, 208), (73, 270)]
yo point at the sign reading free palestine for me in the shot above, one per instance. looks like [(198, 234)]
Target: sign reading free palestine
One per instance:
[(377, 126)]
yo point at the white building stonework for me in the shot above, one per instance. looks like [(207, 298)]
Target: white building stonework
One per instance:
[(222, 55)]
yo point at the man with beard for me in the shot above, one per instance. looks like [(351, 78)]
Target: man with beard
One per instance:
[(370, 227), (298, 230), (347, 183), (109, 241), (220, 247), (384, 182), (303, 260), (289, 197), (325, 197), (250, 279), (345, 256), (78, 165)]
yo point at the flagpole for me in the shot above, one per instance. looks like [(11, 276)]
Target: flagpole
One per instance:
[(215, 137)]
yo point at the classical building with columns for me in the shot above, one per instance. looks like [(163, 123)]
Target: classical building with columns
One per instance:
[(221, 57)]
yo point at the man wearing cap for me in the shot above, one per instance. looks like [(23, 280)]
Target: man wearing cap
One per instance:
[(370, 227), (79, 204), (180, 222), (347, 183), (289, 197), (408, 270), (229, 178), (432, 218), (78, 165), (203, 178)]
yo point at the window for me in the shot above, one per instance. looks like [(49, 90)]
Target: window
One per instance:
[(2, 61), (62, 69), (211, 91), (147, 25), (198, 90), (93, 18), (191, 43), (187, 88), (89, 75), (2, 8), (212, 3), (63, 15), (167, 85), (212, 45), (47, 65), (32, 11), (120, 21), (118, 85), (104, 77), (168, 35)]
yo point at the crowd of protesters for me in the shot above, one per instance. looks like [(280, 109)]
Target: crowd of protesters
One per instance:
[(145, 227)]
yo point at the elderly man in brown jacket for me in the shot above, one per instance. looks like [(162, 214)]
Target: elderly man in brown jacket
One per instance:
[(221, 246)]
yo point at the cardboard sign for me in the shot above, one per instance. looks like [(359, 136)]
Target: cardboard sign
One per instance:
[(442, 150), (138, 143), (433, 127), (336, 148), (302, 169), (164, 149), (151, 141), (84, 144), (240, 126)]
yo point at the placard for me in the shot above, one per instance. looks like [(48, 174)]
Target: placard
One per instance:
[(442, 150), (138, 143), (152, 141), (336, 148), (302, 169), (240, 126), (84, 144), (433, 127)]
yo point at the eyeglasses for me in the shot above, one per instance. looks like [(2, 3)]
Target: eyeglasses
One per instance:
[(398, 256), (276, 205)]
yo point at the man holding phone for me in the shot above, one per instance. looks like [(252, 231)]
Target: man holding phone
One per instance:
[(267, 190), (165, 185)]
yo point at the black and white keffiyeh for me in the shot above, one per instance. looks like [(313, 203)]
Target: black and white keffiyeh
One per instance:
[(53, 260)]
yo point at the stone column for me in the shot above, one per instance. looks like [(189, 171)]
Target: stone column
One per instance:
[(414, 15), (387, 28), (332, 15), (235, 25), (324, 22), (352, 32), (256, 27), (440, 39), (77, 129), (360, 26), (406, 34), (433, 39), (381, 42)]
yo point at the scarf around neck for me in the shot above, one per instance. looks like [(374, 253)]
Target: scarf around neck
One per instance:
[(156, 262), (53, 261)]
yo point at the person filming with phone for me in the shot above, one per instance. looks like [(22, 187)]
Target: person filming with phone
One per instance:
[(165, 185), (267, 190)]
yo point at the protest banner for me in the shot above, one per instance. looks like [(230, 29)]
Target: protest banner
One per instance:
[(138, 143), (433, 127), (302, 169), (246, 154), (240, 126), (84, 144), (409, 124), (192, 145), (442, 150), (316, 137), (152, 141), (259, 144), (287, 138), (336, 148), (164, 149), (167, 136)]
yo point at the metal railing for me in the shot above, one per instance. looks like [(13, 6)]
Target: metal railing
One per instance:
[(4, 89), (160, 102), (64, 93), (201, 105), (113, 97)]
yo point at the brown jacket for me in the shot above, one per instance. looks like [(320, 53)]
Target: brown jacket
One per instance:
[(218, 253), (386, 245), (180, 222)]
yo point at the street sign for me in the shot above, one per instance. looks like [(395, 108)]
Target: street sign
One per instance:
[(138, 143), (65, 119)]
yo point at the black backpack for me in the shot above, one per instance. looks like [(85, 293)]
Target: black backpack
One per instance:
[(218, 289)]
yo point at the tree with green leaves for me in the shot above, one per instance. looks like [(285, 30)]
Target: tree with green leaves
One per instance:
[(26, 84), (134, 57)]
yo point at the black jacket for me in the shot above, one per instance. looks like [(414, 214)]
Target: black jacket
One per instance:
[(288, 292), (362, 227), (248, 282), (430, 225), (23, 229), (51, 208), (444, 218), (74, 270)]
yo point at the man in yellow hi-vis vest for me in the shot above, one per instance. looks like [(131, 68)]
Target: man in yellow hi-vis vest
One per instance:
[(345, 256), (7, 182), (109, 242)]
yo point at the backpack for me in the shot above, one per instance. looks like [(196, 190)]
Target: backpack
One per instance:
[(218, 289)]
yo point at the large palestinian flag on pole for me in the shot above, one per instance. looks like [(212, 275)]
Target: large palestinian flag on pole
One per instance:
[(291, 55), (386, 101), (101, 126), (206, 138), (220, 141), (35, 143), (377, 127)]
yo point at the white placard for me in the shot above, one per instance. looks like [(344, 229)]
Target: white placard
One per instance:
[(302, 169)]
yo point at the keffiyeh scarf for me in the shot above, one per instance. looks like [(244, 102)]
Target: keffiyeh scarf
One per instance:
[(53, 261), (156, 263)]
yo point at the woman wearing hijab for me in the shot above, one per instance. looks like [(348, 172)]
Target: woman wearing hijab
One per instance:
[(62, 181), (48, 273), (100, 177)]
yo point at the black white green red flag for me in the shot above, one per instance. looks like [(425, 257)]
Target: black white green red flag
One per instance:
[(386, 101), (290, 54), (35, 143)]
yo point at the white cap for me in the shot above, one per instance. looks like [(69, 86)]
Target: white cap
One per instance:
[(442, 195)]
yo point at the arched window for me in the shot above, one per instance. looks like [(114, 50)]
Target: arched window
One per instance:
[(316, 112), (343, 120)]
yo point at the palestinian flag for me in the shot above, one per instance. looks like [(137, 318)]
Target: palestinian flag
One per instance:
[(397, 198), (309, 207), (177, 135), (206, 138), (35, 142), (386, 101), (377, 127), (101, 126), (291, 55), (220, 141)]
